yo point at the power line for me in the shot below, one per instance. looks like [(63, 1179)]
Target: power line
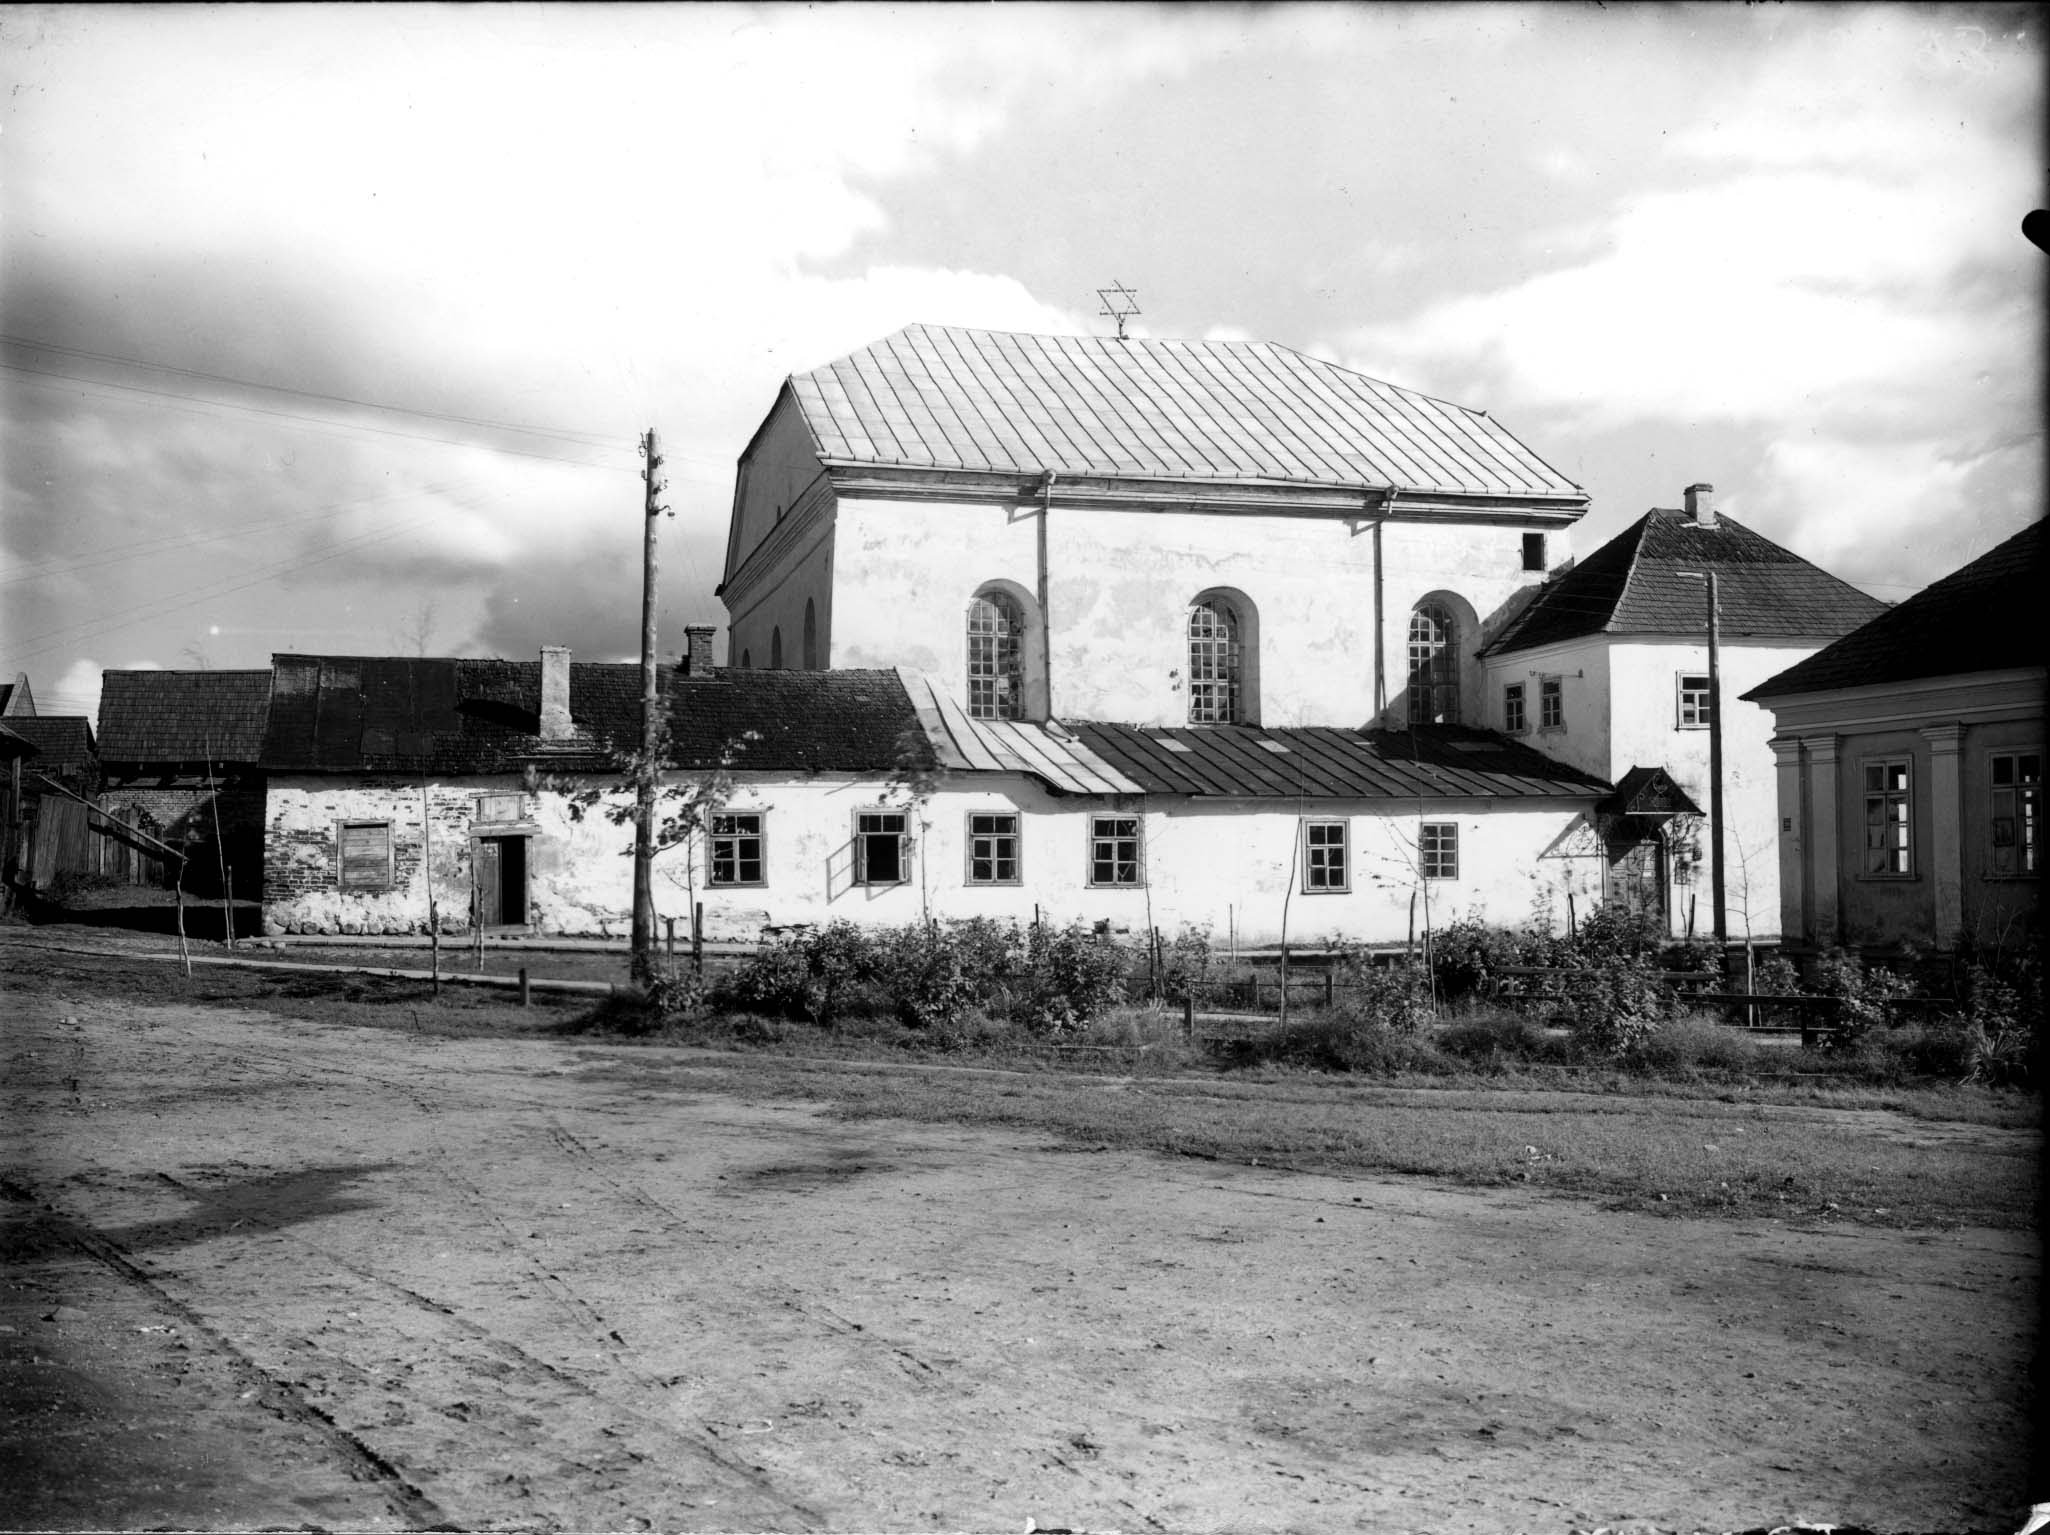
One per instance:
[(191, 402), (85, 632), (562, 434)]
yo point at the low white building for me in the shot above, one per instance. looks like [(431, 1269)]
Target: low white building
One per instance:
[(1606, 668), (871, 795)]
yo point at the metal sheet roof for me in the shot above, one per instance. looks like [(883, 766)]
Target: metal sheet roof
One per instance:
[(1324, 762), (942, 397), (1052, 754)]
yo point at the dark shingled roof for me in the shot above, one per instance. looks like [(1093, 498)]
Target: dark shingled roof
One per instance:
[(402, 715), (213, 717), (1632, 585), (1324, 762), (63, 742), (1984, 617)]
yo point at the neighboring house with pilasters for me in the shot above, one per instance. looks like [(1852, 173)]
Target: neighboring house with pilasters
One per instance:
[(1909, 762)]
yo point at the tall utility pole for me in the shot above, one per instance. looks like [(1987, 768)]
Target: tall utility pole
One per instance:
[(1715, 755), (643, 967)]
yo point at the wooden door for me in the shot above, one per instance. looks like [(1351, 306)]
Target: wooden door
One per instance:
[(489, 905), (1636, 874)]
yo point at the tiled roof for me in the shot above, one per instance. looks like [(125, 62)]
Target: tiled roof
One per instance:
[(1633, 585), (1235, 761), (63, 742), (939, 397), (1986, 616), (412, 716), (209, 716), (828, 721)]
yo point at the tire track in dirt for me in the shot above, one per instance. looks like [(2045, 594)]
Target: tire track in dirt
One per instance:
[(408, 1502)]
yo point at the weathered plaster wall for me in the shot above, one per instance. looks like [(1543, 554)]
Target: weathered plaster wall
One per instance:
[(1225, 866), (780, 466), (1582, 667), (1119, 589)]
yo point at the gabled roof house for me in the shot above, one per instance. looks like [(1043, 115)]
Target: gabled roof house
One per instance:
[(1910, 765)]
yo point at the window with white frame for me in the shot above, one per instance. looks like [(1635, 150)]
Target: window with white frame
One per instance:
[(1551, 703), (1216, 660), (364, 855), (2017, 823), (1696, 707), (1438, 849), (992, 848), (996, 657), (1889, 818), (881, 847), (1325, 865), (1514, 721), (1116, 850), (738, 844)]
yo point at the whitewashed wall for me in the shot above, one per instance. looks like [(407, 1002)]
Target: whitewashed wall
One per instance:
[(1120, 585), (1225, 866)]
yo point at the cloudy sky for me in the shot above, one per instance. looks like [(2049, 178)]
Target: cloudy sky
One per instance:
[(333, 329)]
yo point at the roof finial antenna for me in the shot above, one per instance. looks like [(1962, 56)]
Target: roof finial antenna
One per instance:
[(1116, 310)]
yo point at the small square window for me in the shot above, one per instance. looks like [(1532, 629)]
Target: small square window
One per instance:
[(738, 847), (1551, 703), (1533, 551), (992, 849), (1115, 845), (1325, 865), (365, 855), (881, 850), (501, 807), (1513, 718), (1696, 708), (1438, 843)]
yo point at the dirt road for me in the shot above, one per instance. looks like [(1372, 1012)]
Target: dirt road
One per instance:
[(271, 1273)]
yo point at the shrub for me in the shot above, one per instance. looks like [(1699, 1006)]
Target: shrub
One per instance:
[(1497, 1040), (1466, 956), (1339, 1041), (1070, 975), (1186, 972), (1680, 1047), (933, 973), (803, 975), (1394, 996), (1861, 993), (1614, 1004)]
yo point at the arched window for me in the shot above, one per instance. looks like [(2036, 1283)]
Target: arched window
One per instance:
[(1216, 663), (1433, 666), (811, 636), (776, 649), (996, 657)]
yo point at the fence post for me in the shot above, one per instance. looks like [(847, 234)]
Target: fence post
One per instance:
[(697, 937), (1189, 1016), (670, 923), (523, 986), (1330, 987)]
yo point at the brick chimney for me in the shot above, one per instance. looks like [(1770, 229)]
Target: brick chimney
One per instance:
[(555, 723), (697, 654), (1701, 505)]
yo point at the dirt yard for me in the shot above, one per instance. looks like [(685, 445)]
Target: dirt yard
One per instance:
[(269, 1273)]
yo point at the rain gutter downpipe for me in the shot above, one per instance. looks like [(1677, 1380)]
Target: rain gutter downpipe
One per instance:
[(1045, 621)]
